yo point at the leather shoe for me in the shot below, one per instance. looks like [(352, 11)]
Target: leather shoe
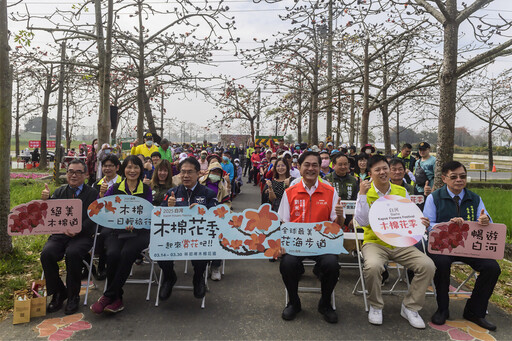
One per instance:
[(166, 288), (72, 305), (329, 313), (440, 316), (481, 321), (56, 303), (199, 287), (290, 312)]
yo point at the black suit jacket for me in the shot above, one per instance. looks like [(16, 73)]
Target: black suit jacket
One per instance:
[(88, 195)]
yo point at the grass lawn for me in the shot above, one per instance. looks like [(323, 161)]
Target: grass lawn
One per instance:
[(498, 203)]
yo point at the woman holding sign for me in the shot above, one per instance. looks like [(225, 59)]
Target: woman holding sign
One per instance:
[(161, 181), (123, 246), (377, 252)]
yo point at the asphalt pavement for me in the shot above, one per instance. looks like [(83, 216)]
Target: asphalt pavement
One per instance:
[(247, 304)]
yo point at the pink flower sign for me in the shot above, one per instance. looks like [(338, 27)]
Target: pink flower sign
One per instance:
[(468, 240), (46, 217)]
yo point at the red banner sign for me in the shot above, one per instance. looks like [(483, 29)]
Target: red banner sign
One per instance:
[(37, 144)]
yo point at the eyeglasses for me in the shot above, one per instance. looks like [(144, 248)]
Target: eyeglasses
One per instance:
[(460, 176), (188, 172), (72, 172)]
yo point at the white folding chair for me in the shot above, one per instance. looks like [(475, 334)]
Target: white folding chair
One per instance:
[(184, 287), (458, 290), (310, 289), (88, 265), (152, 274)]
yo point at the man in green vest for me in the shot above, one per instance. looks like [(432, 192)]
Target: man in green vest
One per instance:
[(454, 203), (377, 253)]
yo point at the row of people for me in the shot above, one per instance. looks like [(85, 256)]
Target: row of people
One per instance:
[(124, 246)]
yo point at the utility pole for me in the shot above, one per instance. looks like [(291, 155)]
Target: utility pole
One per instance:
[(277, 122), (329, 72), (58, 135), (338, 127), (258, 108)]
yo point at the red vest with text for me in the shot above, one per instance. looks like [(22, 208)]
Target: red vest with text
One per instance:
[(310, 209)]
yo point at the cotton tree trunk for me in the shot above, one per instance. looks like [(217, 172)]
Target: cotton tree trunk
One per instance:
[(60, 108), (43, 162), (448, 91), (148, 112), (385, 129), (299, 118), (5, 123), (365, 116), (489, 144), (104, 62), (141, 84)]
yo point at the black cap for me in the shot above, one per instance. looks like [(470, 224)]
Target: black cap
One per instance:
[(148, 136), (423, 145)]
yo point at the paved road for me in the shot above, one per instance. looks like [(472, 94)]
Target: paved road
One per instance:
[(247, 304)]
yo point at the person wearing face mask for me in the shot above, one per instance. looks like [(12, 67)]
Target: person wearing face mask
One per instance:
[(368, 149), (233, 150), (238, 177), (326, 160), (91, 162), (241, 154), (203, 162), (227, 166), (218, 181), (147, 148)]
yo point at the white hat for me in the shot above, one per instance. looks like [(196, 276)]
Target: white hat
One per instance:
[(287, 153)]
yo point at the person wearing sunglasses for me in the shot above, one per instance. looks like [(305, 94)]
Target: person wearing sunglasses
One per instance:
[(455, 203)]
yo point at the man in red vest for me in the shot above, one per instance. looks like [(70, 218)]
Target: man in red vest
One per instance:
[(310, 201)]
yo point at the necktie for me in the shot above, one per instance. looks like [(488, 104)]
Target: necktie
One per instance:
[(456, 199)]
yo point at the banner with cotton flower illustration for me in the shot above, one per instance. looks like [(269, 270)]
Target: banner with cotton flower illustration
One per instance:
[(179, 233)]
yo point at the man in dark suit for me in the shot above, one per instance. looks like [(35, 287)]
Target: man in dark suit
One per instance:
[(455, 203), (74, 246), (189, 193)]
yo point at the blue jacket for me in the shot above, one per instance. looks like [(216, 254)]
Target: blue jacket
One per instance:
[(201, 195)]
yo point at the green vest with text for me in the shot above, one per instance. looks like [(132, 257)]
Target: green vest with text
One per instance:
[(371, 197)]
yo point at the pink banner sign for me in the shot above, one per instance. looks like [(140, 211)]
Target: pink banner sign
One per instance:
[(46, 217), (468, 240)]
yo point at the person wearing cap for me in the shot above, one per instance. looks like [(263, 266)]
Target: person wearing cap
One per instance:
[(368, 149), (203, 162), (330, 147), (217, 181), (227, 166), (428, 164), (255, 161), (238, 177), (165, 151), (147, 148)]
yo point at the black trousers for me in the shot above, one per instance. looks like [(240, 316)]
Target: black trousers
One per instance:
[(489, 271), (254, 175), (291, 269), (75, 249), (167, 267), (247, 167), (121, 254)]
